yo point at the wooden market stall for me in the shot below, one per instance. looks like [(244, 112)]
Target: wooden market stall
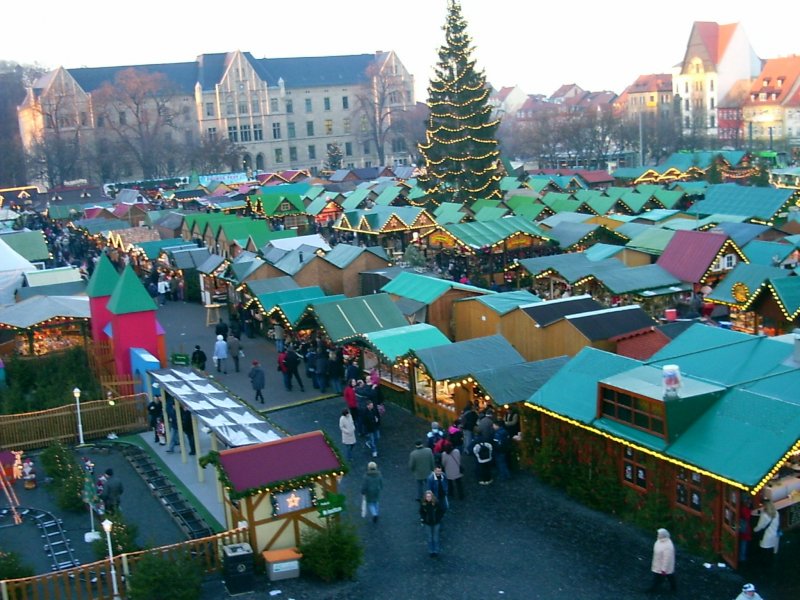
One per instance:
[(442, 383), (44, 324), (278, 486)]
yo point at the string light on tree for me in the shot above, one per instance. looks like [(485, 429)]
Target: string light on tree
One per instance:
[(461, 153)]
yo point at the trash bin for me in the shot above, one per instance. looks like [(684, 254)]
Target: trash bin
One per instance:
[(282, 564), (237, 568)]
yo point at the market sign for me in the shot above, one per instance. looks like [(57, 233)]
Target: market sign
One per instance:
[(330, 504), (518, 241), (292, 501), (442, 239)]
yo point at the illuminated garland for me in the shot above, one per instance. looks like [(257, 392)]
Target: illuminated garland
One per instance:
[(213, 458)]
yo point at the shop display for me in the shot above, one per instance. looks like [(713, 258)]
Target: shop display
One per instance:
[(51, 339)]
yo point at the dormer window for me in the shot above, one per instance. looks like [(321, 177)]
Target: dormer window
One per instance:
[(637, 411), (780, 82), (765, 82)]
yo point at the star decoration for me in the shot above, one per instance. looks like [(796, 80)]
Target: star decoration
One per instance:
[(293, 501)]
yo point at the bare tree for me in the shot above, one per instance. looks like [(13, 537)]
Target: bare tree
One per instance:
[(379, 106), (210, 155), (409, 126), (136, 109)]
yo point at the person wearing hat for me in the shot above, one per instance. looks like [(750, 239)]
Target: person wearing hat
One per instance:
[(257, 378), (663, 564), (749, 593), (221, 354), (421, 463), (112, 491), (371, 488)]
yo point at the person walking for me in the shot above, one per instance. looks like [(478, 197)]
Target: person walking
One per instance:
[(420, 463), (502, 448), (663, 563), (371, 488), (280, 336), (257, 380), (769, 522), (173, 426), (437, 483), (112, 491), (372, 425), (221, 354), (349, 396), (336, 369), (451, 463), (199, 359), (188, 430), (348, 428), (321, 368), (431, 515), (234, 350)]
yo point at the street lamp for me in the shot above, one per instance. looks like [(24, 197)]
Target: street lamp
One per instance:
[(77, 393), (107, 525)]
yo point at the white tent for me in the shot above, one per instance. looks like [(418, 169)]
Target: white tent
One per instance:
[(12, 268)]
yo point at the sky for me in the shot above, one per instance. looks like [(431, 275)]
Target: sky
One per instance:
[(535, 45)]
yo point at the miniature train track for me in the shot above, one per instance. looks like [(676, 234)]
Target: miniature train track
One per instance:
[(184, 514), (56, 542)]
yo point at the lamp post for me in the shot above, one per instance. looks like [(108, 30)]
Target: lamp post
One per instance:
[(77, 393), (107, 525)]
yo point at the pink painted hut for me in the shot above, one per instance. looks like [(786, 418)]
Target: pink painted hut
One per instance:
[(101, 286)]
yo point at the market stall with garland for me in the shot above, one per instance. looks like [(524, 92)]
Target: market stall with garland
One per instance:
[(280, 487), (44, 324)]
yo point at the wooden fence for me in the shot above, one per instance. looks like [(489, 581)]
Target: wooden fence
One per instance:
[(26, 431), (93, 581)]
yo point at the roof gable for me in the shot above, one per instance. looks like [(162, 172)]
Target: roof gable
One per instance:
[(129, 295)]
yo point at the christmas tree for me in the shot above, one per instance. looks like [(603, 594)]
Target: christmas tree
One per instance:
[(334, 161), (461, 154)]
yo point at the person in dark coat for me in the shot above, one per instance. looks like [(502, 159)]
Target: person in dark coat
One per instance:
[(199, 359), (221, 328), (155, 411), (186, 421), (321, 369), (112, 491), (234, 348), (430, 515), (291, 362), (371, 488), (371, 420), (420, 463), (257, 380)]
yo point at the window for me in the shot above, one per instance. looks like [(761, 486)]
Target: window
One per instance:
[(687, 122), (254, 107), (292, 153), (309, 128), (289, 107), (101, 121), (312, 153), (233, 133), (346, 125), (398, 145), (348, 148), (326, 103), (290, 131), (229, 107), (212, 133), (711, 103), (278, 155), (364, 124), (243, 106), (276, 131), (273, 105), (634, 471), (244, 130), (308, 105), (730, 261), (84, 119), (686, 87), (394, 97), (689, 489), (123, 118), (345, 103), (258, 132), (711, 85), (712, 122), (366, 147), (642, 413), (328, 126)]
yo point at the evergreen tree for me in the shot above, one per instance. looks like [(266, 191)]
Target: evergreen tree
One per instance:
[(334, 161), (461, 153)]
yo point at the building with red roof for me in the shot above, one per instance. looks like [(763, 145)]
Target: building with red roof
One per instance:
[(717, 57), (700, 257), (279, 487)]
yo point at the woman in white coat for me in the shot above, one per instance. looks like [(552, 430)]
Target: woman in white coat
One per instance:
[(348, 429), (769, 522)]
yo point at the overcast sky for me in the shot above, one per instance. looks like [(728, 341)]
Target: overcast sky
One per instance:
[(537, 45)]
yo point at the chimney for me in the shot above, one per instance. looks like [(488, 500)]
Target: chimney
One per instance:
[(300, 255)]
